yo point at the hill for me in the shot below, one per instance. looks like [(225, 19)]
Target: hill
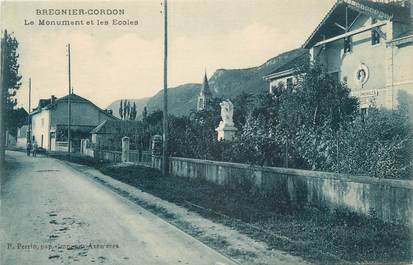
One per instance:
[(227, 83), (181, 99), (140, 103)]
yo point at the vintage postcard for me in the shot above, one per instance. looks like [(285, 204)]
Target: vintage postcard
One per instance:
[(206, 132)]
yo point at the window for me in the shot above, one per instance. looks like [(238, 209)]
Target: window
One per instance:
[(347, 45), (289, 82), (201, 103), (363, 113), (272, 89), (42, 121), (375, 37)]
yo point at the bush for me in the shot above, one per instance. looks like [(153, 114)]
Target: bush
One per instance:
[(378, 145)]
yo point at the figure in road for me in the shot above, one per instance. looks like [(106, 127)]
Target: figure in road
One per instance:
[(34, 149), (28, 148)]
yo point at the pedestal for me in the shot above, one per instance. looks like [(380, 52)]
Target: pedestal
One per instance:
[(226, 132)]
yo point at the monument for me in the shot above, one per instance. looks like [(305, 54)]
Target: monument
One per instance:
[(226, 129)]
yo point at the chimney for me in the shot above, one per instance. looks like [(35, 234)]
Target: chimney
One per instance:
[(109, 111), (52, 99)]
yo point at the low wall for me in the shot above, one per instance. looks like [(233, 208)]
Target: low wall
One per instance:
[(21, 142), (113, 156), (140, 157), (389, 200), (116, 156)]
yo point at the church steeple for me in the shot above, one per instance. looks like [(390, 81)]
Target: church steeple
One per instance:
[(205, 95), (205, 86)]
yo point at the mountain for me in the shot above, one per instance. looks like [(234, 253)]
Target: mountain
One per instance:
[(181, 99), (227, 83), (140, 103), (230, 83)]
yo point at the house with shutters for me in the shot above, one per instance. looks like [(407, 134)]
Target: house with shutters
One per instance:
[(366, 44), (49, 121)]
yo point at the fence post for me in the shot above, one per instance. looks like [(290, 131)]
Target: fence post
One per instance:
[(156, 147), (125, 149)]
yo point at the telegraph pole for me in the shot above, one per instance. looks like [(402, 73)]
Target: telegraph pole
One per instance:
[(29, 122), (2, 100), (69, 107), (165, 93)]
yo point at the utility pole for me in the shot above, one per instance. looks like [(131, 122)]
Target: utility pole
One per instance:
[(165, 93), (2, 100), (69, 107), (29, 122)]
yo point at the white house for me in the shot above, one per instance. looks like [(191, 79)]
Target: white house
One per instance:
[(50, 121), (368, 45)]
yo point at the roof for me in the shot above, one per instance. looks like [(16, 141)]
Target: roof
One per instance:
[(73, 98), (126, 127), (397, 9), (300, 58), (386, 11), (205, 86), (44, 102), (98, 128)]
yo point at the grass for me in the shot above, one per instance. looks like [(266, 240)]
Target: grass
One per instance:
[(327, 237)]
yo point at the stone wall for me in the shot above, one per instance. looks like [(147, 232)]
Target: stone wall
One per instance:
[(389, 200), (135, 156)]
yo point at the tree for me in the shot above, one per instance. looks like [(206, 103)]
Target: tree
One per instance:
[(243, 104), (379, 144), (312, 114), (133, 112), (257, 142), (125, 105), (318, 100), (121, 110), (128, 110), (19, 117), (144, 114), (11, 78)]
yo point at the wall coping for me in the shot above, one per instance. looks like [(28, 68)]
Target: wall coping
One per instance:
[(109, 151), (407, 184)]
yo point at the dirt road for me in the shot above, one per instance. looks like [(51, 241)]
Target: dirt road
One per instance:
[(51, 214)]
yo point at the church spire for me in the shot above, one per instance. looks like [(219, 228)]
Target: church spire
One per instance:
[(205, 85), (205, 95)]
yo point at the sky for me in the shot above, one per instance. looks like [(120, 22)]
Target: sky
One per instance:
[(126, 61)]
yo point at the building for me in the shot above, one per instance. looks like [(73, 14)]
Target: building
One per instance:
[(285, 74), (205, 95), (49, 121), (109, 133), (368, 45), (22, 136)]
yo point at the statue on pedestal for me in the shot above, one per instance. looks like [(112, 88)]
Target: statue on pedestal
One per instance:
[(226, 129), (227, 112)]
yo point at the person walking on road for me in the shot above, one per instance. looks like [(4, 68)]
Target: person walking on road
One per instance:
[(28, 148), (34, 150)]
